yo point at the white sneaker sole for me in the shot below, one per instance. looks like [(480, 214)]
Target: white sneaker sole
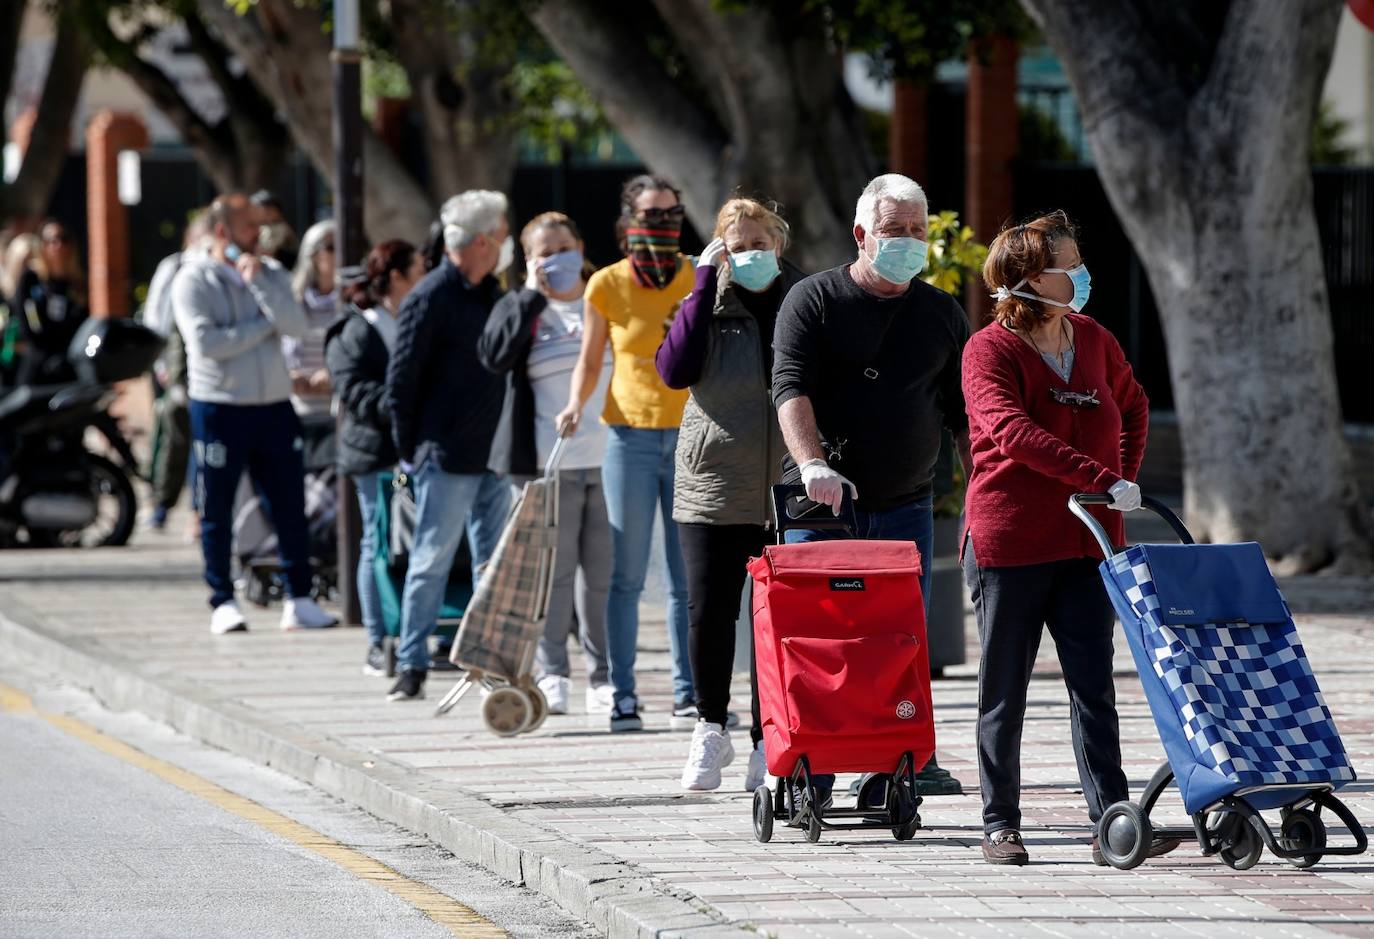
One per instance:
[(240, 627), (709, 781)]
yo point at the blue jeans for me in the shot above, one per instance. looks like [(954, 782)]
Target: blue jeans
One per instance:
[(912, 522), (369, 600), (638, 479), (265, 440), (445, 504)]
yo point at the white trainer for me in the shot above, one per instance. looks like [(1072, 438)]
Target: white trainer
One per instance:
[(227, 618), (711, 752), (600, 698), (304, 613), (556, 691), (758, 768)]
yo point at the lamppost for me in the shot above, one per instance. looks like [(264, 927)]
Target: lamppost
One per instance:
[(346, 66)]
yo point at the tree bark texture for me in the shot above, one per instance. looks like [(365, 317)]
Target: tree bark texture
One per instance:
[(756, 105), (290, 55), (50, 140), (1200, 123)]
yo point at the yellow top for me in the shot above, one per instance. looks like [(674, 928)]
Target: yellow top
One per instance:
[(639, 318)]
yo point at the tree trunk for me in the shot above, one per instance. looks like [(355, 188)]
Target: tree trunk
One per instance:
[(1211, 180), (11, 18), (768, 116), (50, 139), (292, 68)]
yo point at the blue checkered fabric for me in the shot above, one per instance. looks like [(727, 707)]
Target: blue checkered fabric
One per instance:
[(1244, 694)]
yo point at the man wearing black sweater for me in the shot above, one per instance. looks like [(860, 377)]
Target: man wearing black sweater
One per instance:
[(866, 375), (444, 411)]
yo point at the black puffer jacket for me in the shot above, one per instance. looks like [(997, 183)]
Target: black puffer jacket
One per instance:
[(357, 360)]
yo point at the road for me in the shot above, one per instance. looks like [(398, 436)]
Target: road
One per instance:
[(112, 825)]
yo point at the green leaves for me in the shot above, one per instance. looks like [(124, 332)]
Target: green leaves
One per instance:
[(954, 256)]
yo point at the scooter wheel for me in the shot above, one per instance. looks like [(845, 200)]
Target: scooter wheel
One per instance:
[(763, 814), (1124, 835)]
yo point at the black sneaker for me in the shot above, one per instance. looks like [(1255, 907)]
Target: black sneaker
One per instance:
[(684, 715), (439, 661), (625, 715), (376, 661), (410, 686)]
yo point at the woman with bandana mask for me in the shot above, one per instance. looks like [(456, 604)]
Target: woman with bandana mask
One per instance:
[(631, 305), (1053, 410), (534, 337), (729, 454)]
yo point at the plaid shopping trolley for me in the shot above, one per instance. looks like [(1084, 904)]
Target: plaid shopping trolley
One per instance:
[(1243, 723), (496, 641)]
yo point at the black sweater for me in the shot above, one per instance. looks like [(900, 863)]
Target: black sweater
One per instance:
[(883, 376), (357, 360), (505, 350), (444, 404)]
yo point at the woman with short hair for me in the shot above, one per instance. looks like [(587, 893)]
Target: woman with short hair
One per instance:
[(1053, 409), (312, 395)]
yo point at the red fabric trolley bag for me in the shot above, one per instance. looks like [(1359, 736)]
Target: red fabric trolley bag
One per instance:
[(843, 671)]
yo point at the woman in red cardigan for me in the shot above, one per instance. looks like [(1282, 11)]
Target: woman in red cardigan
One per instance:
[(1053, 409)]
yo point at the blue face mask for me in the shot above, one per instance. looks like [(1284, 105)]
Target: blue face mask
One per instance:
[(232, 252), (563, 270), (1078, 276), (754, 270), (897, 260)]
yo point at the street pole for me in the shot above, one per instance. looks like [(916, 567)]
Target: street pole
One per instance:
[(346, 66)]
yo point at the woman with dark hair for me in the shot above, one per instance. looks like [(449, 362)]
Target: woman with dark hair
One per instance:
[(357, 350), (50, 301), (631, 304), (1053, 410), (534, 335)]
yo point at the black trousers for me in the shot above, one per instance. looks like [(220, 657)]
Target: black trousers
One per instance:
[(1012, 606), (715, 557)]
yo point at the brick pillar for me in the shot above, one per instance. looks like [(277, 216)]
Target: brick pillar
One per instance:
[(908, 139), (107, 219), (389, 122), (990, 146)]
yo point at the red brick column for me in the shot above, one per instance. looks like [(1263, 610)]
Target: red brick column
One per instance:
[(990, 147), (106, 218), (907, 140)]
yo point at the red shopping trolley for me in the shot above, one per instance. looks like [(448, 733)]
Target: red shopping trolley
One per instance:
[(844, 678)]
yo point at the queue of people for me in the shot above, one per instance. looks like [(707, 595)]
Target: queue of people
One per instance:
[(685, 388)]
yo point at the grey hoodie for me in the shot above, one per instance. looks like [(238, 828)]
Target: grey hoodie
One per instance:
[(233, 330)]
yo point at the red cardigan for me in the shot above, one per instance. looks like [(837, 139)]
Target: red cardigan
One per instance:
[(1030, 453)]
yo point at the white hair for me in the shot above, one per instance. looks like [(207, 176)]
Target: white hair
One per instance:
[(893, 186), (469, 214), (304, 275)]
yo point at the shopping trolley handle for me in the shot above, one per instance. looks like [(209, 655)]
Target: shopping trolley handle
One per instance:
[(1079, 502), (560, 444), (792, 509)]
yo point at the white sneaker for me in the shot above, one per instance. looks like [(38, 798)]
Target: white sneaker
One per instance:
[(304, 613), (758, 768), (711, 752), (227, 618), (600, 698), (556, 690)]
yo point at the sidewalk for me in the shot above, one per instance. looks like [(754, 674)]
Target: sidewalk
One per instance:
[(598, 821)]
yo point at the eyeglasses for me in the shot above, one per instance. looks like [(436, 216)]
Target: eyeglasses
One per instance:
[(58, 239), (327, 246), (675, 214), (1076, 399)]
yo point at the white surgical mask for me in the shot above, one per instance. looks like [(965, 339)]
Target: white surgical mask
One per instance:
[(506, 256)]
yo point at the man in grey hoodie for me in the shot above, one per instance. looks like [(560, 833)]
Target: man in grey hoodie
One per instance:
[(232, 308)]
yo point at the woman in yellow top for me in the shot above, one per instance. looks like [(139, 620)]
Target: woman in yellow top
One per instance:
[(632, 303)]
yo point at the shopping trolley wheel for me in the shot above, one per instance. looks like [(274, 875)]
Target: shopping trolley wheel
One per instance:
[(902, 809), (1124, 835), (813, 825), (763, 814), (1303, 830), (507, 711), (541, 709), (1241, 843)]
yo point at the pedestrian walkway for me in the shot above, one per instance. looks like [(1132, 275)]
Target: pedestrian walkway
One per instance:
[(689, 861)]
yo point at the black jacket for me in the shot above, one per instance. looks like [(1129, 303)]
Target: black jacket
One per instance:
[(357, 360), (444, 404), (505, 349)]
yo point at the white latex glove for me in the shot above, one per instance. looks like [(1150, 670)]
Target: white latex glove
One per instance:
[(824, 485), (711, 254), (1125, 496)]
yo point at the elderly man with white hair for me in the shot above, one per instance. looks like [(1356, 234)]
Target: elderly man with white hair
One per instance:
[(866, 376), (444, 410)]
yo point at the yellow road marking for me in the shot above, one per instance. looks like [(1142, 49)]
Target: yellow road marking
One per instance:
[(459, 919)]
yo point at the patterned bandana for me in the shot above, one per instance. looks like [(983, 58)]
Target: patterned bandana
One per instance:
[(653, 240)]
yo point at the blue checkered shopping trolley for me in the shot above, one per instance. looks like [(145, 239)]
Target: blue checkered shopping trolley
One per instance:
[(1238, 709)]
